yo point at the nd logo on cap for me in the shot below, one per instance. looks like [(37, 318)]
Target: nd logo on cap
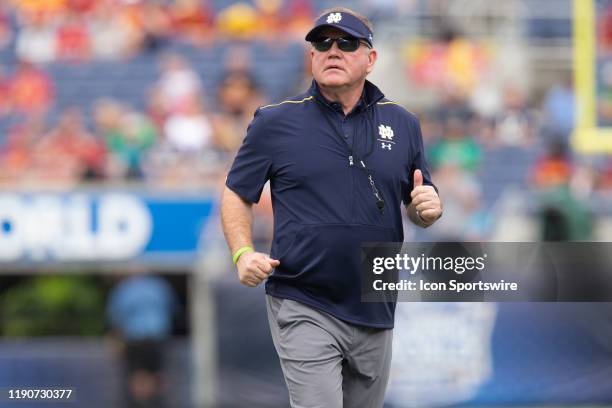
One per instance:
[(334, 18)]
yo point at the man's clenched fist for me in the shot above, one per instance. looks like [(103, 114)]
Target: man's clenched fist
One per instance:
[(254, 267), (425, 199)]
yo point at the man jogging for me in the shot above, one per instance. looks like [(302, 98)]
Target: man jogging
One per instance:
[(341, 159)]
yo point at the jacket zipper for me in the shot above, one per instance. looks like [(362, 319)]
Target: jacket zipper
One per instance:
[(352, 183), (351, 160)]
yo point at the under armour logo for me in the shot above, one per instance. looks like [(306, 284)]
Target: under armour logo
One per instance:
[(386, 145), (385, 132), (334, 18)]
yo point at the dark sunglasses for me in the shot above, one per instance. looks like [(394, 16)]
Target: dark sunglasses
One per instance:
[(347, 44)]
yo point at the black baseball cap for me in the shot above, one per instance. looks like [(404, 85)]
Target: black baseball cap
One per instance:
[(342, 21)]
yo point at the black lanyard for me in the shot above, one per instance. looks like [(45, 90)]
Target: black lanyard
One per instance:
[(352, 158)]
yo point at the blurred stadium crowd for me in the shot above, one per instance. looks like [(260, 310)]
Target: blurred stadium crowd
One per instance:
[(173, 131), (161, 92)]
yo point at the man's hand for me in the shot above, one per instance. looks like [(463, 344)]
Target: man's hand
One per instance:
[(254, 267), (425, 201)]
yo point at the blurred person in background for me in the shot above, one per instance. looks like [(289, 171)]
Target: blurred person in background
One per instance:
[(334, 349), (299, 14), (456, 146), (559, 106), (238, 97), (156, 24), (36, 41), (453, 102), (108, 118), (464, 59), (452, 61), (31, 90), (187, 153), (127, 134), (109, 35), (147, 25), (271, 24), (188, 129), (554, 168), (17, 154), (237, 21), (517, 124), (141, 310), (69, 153), (73, 41), (563, 215), (128, 144), (270, 20), (193, 20), (178, 83)]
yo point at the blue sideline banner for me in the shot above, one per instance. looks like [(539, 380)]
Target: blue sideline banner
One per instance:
[(101, 226)]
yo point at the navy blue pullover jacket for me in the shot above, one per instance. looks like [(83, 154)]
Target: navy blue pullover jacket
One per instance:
[(323, 202)]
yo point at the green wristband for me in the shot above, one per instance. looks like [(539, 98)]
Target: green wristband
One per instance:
[(239, 253)]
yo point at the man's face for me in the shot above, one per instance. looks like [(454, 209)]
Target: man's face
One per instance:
[(338, 69)]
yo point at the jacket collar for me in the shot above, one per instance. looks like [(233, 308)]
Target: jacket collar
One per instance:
[(371, 94)]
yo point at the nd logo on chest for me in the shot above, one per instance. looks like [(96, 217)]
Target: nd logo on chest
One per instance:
[(386, 137)]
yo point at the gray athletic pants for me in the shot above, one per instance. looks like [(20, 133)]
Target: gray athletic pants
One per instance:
[(329, 363)]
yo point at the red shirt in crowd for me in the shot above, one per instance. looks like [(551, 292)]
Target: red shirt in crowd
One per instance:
[(31, 90)]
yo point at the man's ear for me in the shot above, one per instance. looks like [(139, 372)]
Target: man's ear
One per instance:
[(372, 57)]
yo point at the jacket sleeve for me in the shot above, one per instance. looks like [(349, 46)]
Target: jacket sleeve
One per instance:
[(418, 161), (252, 166)]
